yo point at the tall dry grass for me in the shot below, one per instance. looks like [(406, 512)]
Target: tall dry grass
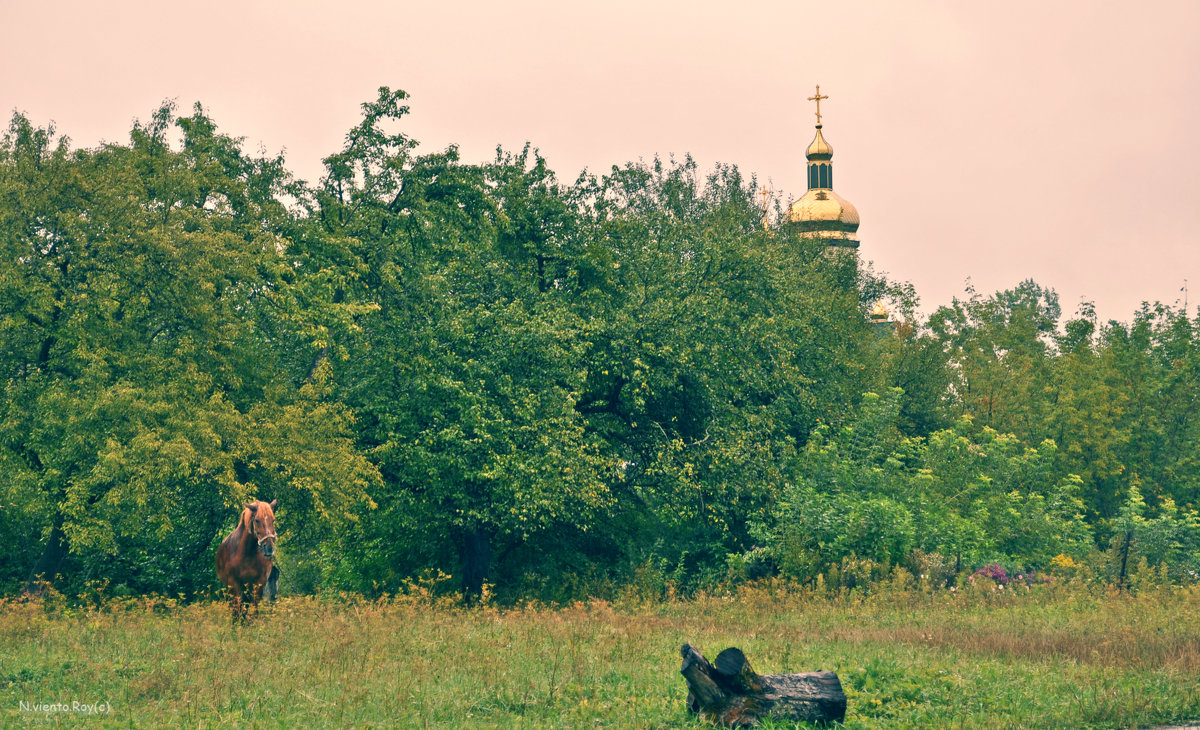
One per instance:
[(1046, 657)]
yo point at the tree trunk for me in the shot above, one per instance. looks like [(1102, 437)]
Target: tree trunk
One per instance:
[(1124, 558), (45, 569), (475, 551), (730, 693)]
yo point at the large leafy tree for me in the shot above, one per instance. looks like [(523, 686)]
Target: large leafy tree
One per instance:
[(1154, 363), (149, 356), (1116, 399), (466, 375), (631, 355), (1000, 348), (715, 346)]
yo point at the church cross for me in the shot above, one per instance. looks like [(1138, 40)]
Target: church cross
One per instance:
[(818, 99), (766, 194)]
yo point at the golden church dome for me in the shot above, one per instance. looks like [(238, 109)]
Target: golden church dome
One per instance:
[(821, 213), (822, 204)]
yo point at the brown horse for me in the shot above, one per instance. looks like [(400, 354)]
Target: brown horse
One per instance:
[(245, 560)]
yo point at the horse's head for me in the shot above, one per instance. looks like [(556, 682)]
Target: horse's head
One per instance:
[(262, 525)]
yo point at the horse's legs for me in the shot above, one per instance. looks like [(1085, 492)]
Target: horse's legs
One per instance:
[(231, 592), (255, 596), (238, 595), (235, 601)]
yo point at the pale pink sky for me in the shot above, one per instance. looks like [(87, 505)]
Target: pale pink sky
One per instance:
[(996, 141)]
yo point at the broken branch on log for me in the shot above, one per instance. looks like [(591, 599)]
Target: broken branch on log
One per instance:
[(729, 692)]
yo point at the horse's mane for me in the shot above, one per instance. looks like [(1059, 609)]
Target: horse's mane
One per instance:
[(244, 522)]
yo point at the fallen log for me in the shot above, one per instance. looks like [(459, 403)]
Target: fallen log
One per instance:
[(729, 692)]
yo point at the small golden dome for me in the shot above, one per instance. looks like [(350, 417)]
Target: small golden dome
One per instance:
[(819, 149), (879, 313)]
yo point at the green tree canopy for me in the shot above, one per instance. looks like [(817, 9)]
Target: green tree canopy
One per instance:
[(148, 354)]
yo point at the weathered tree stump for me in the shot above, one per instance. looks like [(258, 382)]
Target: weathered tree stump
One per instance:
[(730, 693)]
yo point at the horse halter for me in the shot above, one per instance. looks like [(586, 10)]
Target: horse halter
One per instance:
[(264, 538)]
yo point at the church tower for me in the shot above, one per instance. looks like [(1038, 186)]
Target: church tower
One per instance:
[(822, 213)]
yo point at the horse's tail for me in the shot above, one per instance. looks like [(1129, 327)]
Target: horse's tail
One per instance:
[(273, 584)]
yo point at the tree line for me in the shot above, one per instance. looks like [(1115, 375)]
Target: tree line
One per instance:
[(540, 388)]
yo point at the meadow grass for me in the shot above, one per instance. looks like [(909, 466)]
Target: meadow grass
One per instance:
[(1045, 657)]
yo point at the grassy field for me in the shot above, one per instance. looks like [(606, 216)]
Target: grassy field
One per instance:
[(1043, 657)]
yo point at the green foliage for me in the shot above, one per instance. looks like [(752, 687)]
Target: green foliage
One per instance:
[(149, 323), (1114, 397), (538, 387), (465, 367), (621, 367), (1170, 540), (868, 492), (715, 348)]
